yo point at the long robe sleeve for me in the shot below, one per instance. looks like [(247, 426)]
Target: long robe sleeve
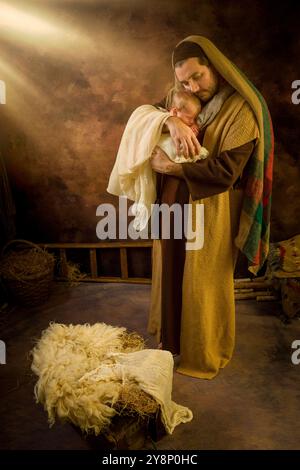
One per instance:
[(212, 176)]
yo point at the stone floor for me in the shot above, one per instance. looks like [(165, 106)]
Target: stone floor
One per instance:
[(254, 403)]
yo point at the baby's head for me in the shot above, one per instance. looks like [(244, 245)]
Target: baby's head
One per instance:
[(184, 105)]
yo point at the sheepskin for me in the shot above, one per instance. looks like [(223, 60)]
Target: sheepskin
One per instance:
[(81, 370)]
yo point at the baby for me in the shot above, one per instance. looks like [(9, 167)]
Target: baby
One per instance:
[(186, 107), (132, 175)]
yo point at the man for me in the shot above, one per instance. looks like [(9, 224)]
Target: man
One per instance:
[(193, 291)]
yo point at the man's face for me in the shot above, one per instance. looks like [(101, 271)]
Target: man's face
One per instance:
[(200, 80)]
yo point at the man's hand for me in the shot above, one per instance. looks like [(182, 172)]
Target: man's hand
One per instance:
[(195, 129), (183, 137), (161, 163)]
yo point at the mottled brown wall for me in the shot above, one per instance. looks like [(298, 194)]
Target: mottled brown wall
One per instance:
[(71, 89)]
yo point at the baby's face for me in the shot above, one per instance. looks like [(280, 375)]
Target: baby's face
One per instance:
[(188, 113)]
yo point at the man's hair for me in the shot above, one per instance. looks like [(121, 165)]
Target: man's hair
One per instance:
[(202, 61), (186, 50)]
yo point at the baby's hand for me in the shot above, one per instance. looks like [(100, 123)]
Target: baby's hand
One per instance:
[(195, 129)]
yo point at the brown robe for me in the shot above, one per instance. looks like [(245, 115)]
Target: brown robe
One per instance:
[(202, 179)]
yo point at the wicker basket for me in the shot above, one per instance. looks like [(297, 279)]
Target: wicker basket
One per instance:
[(27, 272)]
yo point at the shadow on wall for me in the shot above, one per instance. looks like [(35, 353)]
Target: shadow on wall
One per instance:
[(76, 70)]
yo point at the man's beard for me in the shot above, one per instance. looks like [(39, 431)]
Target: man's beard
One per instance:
[(207, 95), (204, 96)]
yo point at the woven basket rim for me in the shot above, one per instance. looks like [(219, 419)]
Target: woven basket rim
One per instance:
[(29, 277), (43, 269)]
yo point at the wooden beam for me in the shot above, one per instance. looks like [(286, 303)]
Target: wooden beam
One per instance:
[(93, 263), (92, 247), (124, 265), (130, 280), (126, 244), (252, 295), (253, 285), (63, 263)]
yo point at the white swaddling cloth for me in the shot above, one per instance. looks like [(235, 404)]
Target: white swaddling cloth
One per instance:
[(132, 175), (166, 144)]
